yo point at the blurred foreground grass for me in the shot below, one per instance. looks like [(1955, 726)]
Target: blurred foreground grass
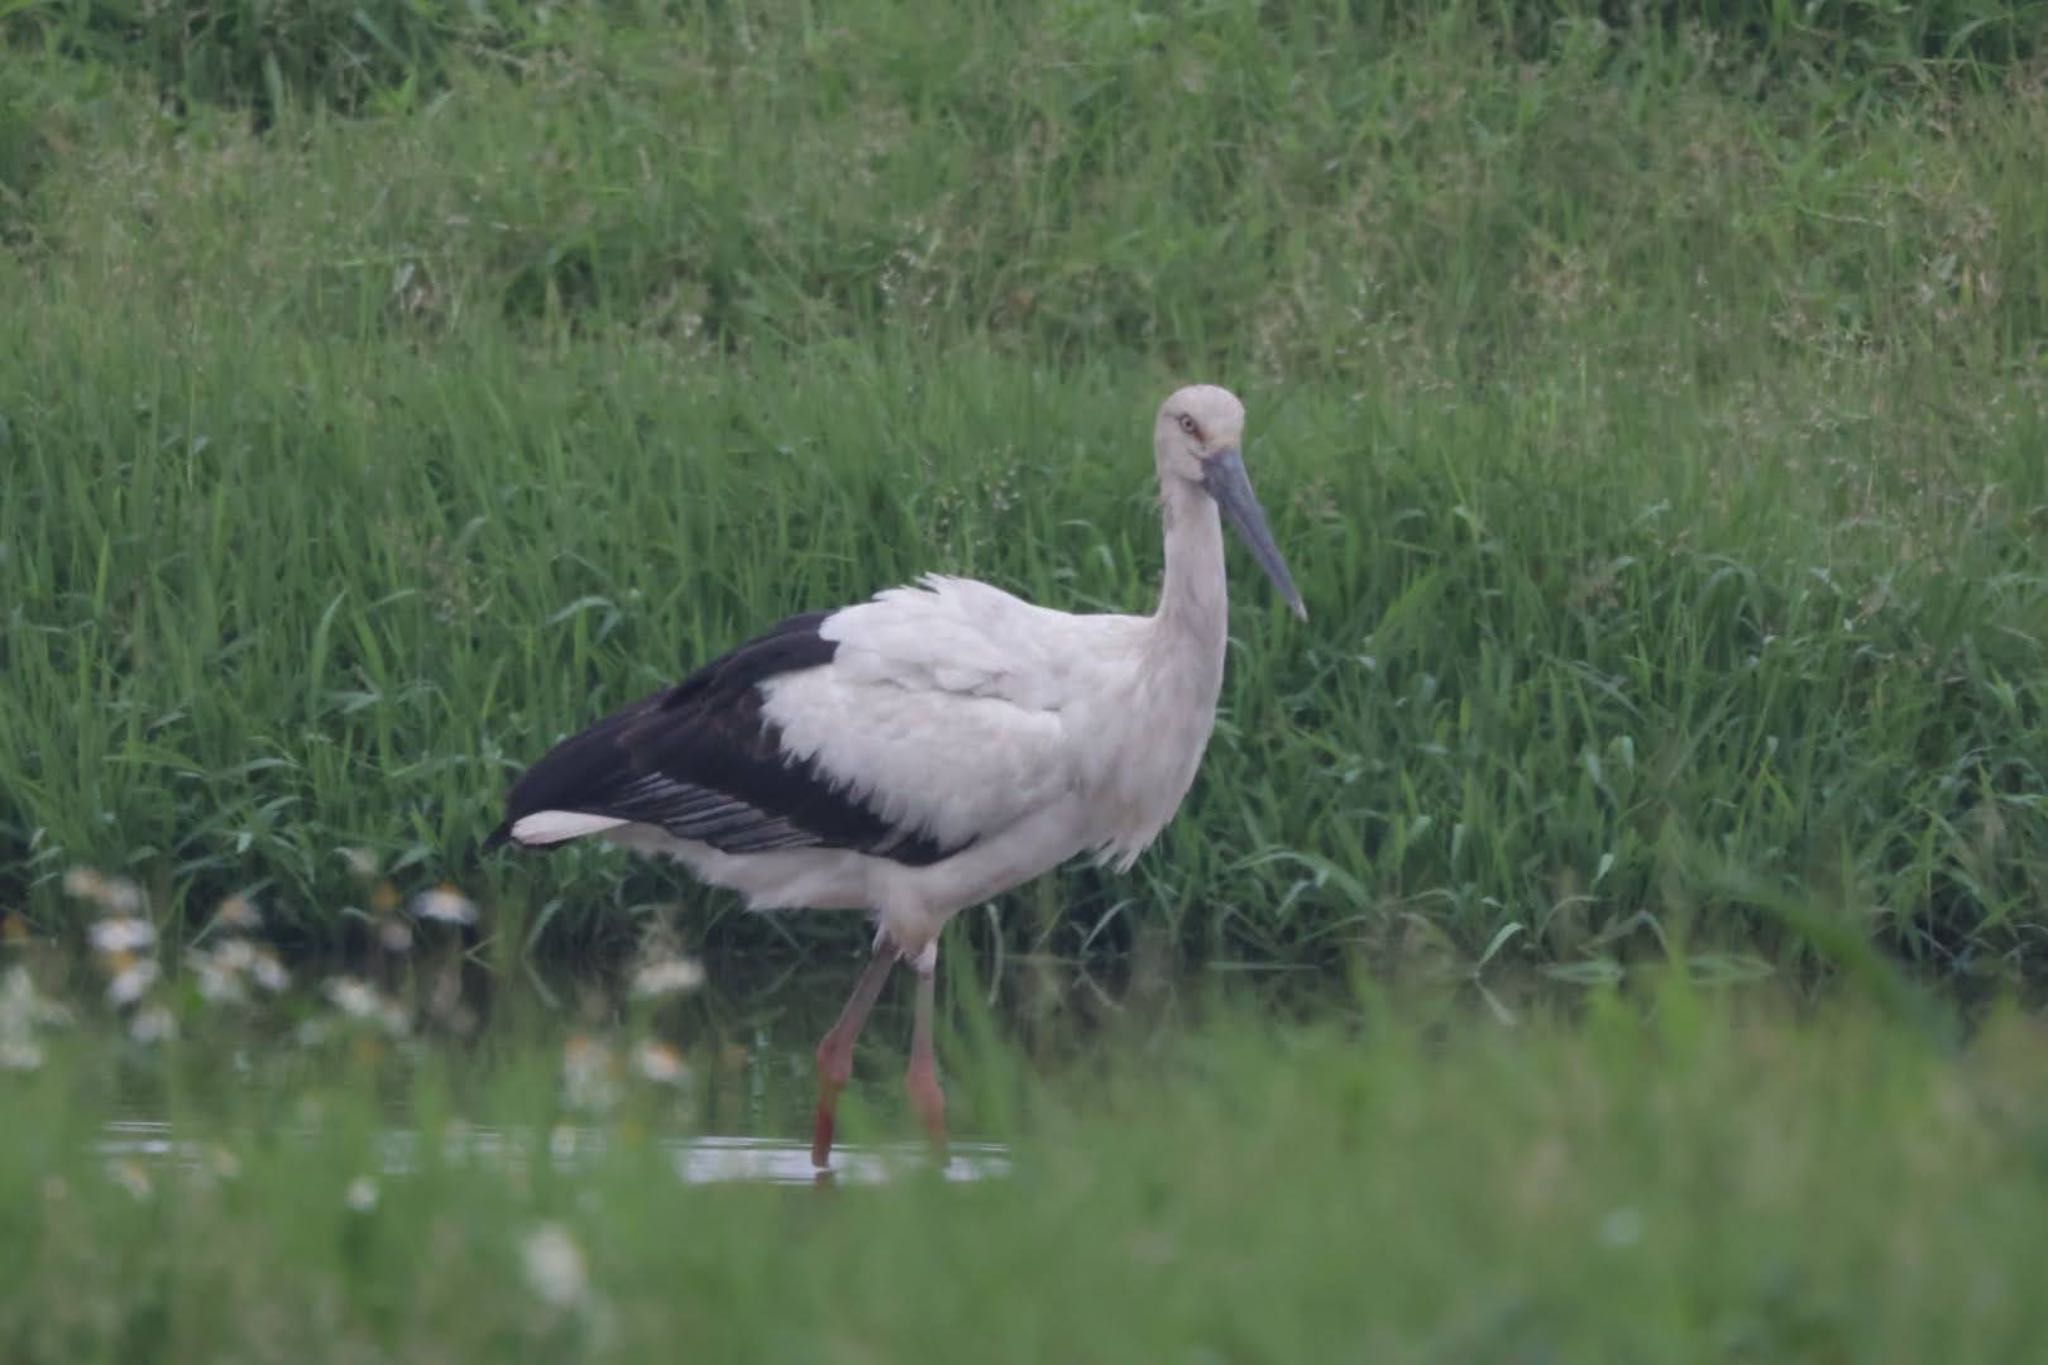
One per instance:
[(1653, 413), (1675, 1177)]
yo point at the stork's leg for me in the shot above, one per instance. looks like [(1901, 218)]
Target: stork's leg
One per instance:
[(922, 1079), (835, 1051)]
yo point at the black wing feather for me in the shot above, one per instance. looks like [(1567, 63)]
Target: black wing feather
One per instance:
[(701, 761)]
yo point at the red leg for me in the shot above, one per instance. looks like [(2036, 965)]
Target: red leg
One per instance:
[(835, 1051), (922, 1079)]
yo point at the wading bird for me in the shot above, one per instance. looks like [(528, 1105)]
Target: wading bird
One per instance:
[(923, 751)]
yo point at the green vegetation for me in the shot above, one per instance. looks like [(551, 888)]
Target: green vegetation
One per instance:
[(1652, 400), (1702, 1180), (1653, 412)]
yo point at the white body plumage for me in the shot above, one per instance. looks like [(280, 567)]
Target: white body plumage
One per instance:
[(965, 713)]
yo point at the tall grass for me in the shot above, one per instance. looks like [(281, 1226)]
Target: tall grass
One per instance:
[(1700, 1181), (1654, 421)]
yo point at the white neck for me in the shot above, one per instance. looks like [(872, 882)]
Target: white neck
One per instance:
[(1193, 618), (1168, 706)]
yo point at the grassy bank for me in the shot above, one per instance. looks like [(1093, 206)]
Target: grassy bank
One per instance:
[(1654, 421), (1703, 1179)]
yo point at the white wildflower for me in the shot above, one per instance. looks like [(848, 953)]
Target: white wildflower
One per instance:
[(22, 1008), (132, 1178), (659, 1062), (237, 912), (667, 976), (361, 1196), (220, 987), (114, 895), (589, 1074), (266, 971), (131, 981), (122, 934), (356, 998), (22, 1005), (554, 1267), (446, 904), (1622, 1227), (220, 970), (152, 1024)]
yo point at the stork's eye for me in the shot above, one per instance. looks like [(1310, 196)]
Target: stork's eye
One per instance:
[(1187, 424)]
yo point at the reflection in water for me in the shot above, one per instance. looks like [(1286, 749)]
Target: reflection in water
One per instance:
[(697, 1161)]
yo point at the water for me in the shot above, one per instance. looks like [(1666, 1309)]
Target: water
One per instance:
[(701, 1160)]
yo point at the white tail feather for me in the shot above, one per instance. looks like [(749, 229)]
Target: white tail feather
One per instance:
[(558, 826)]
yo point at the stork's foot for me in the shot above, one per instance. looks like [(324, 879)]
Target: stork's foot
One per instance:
[(835, 1051), (835, 1068), (922, 1078), (825, 1126), (929, 1100)]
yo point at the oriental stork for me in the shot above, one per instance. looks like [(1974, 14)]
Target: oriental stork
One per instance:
[(925, 750)]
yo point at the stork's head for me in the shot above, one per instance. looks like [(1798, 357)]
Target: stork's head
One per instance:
[(1200, 440)]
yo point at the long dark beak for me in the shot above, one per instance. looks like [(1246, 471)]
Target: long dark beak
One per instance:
[(1224, 477)]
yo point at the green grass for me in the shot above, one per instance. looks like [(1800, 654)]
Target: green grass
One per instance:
[(1653, 416), (1687, 1177)]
